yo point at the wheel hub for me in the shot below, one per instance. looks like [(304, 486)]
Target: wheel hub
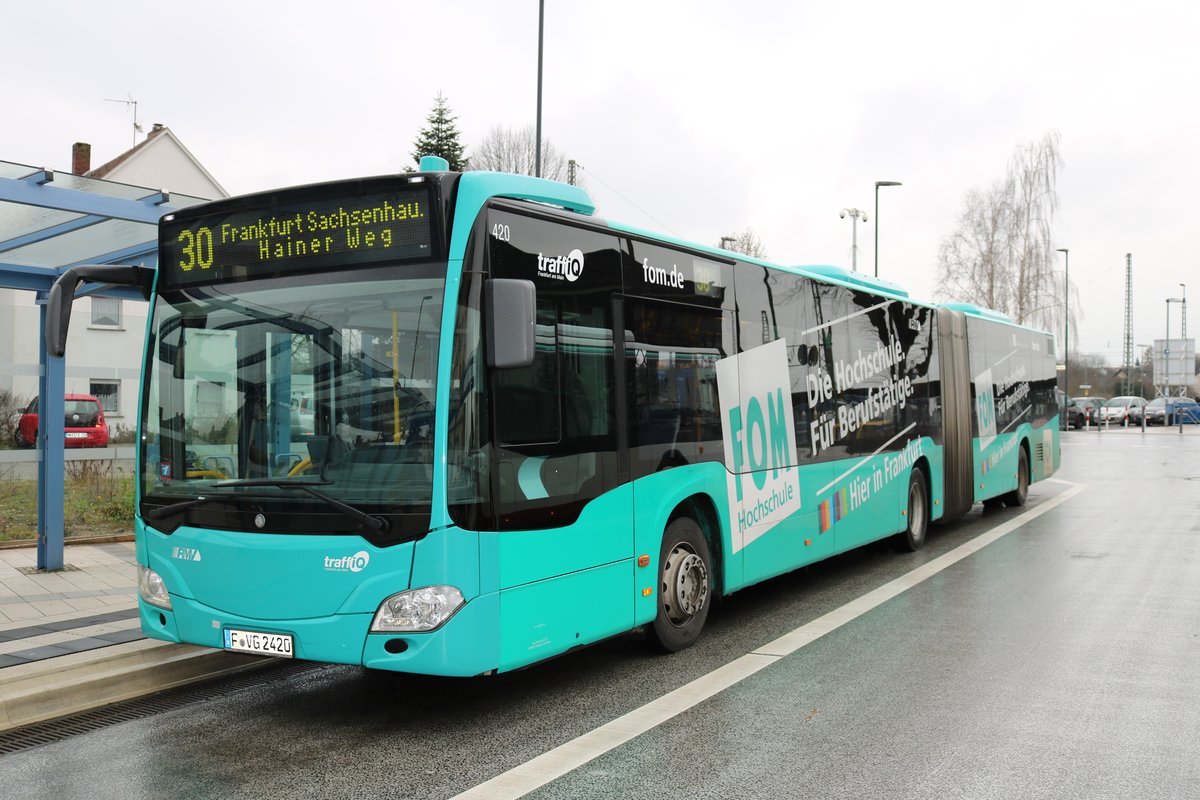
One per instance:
[(685, 584)]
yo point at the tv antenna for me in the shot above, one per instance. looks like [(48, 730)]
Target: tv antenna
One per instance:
[(130, 102)]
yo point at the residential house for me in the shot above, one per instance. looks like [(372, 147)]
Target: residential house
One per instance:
[(107, 334)]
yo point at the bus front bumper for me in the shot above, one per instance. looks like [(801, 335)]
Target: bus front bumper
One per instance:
[(466, 645)]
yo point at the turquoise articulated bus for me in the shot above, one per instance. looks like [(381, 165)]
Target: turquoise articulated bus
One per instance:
[(455, 424)]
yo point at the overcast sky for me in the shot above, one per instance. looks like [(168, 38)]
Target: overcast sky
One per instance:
[(694, 118)]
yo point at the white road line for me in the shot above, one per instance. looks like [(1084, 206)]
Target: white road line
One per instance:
[(524, 778)]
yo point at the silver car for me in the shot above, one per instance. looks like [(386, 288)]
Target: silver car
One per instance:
[(1116, 411)]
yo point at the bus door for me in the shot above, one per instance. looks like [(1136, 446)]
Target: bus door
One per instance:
[(674, 416), (781, 356), (677, 323), (564, 519), (871, 367)]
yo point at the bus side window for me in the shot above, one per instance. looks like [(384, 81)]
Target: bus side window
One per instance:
[(790, 302), (527, 407), (671, 360)]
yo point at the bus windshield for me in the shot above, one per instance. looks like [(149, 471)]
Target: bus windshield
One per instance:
[(292, 379)]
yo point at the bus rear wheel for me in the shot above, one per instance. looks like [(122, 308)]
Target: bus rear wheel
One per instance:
[(912, 538), (1016, 497), (684, 585)]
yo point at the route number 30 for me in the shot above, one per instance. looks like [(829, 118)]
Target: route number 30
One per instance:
[(197, 249)]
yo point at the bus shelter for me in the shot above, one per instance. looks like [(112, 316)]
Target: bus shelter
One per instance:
[(50, 222)]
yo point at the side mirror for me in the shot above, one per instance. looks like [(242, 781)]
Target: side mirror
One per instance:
[(62, 295), (511, 309)]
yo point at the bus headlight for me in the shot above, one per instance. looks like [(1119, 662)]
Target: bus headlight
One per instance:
[(152, 589), (417, 609)]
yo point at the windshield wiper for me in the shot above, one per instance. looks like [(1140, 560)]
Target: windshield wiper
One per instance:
[(162, 512), (373, 522)]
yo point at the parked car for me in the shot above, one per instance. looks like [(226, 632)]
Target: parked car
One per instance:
[(1182, 409), (1116, 411), (1090, 407), (303, 419), (1187, 411), (84, 423), (1070, 415)]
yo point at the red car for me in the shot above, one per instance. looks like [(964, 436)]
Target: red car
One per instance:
[(84, 423)]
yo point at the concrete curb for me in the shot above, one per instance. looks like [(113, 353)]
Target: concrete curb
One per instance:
[(18, 544), (70, 684)]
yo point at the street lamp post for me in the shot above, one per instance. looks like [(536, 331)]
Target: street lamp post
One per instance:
[(1167, 379), (537, 144), (1066, 317), (1142, 368), (855, 216), (877, 185)]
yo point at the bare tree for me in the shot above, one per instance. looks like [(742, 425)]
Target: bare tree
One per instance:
[(972, 261), (512, 150), (1002, 254), (747, 243)]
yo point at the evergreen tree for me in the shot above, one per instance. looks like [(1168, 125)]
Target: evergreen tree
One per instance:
[(440, 137)]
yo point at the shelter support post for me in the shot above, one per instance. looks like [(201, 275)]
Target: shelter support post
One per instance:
[(280, 405), (51, 432)]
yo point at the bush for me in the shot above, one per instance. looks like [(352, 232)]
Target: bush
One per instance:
[(114, 500), (10, 407), (122, 434)]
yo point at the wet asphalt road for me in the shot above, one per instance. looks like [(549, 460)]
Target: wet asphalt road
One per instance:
[(1060, 661)]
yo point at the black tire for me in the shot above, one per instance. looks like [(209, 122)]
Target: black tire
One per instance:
[(685, 586), (912, 538), (1016, 498)]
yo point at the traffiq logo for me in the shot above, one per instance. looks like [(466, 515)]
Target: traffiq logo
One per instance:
[(561, 268), (355, 563)]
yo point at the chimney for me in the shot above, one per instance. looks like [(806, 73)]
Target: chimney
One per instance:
[(81, 158), (157, 129)]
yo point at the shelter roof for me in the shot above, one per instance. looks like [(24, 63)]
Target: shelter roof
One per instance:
[(52, 220)]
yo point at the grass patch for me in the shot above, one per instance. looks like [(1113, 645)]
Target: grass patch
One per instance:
[(98, 501)]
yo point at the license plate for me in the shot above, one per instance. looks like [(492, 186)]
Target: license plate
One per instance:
[(76, 435), (262, 644)]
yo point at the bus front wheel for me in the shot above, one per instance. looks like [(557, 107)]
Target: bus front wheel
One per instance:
[(912, 538), (684, 585)]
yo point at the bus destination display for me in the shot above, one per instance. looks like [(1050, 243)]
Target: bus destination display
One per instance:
[(268, 242)]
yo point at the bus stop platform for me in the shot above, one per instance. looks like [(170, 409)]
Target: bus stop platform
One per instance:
[(70, 640)]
